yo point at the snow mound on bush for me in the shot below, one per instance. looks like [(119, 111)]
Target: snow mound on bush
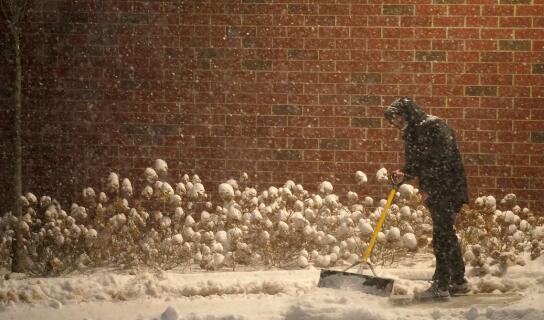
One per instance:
[(382, 175)]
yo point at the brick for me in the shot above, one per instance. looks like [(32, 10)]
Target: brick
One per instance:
[(288, 20), (383, 44), (515, 22), (334, 9), (366, 78), (536, 34), (264, 20), (134, 129), (365, 32), (342, 111), (430, 33), (334, 144), (430, 10), (397, 56), (334, 55), (480, 136), (529, 125), (296, 54), (537, 137), (464, 10), (515, 1), (529, 80), (334, 99), (509, 183), (398, 32), (479, 21), (250, 42), (479, 159), (497, 56), (463, 33), (333, 32), (366, 122), (302, 9), (319, 44), (351, 21), (234, 31), (318, 155), (287, 155), (498, 10), (415, 67), (481, 68), (481, 45), (481, 91), (432, 79), (385, 90), (496, 79), (448, 1), (480, 113), (334, 77), (430, 56), (398, 9), (302, 32), (257, 64), (163, 130), (496, 148), (133, 18), (416, 21), (446, 21), (538, 68), (218, 19), (493, 171), (448, 67), (366, 9), (366, 100), (320, 20), (529, 10), (210, 53), (515, 45), (286, 109)]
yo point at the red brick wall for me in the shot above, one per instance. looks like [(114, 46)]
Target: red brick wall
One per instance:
[(280, 89)]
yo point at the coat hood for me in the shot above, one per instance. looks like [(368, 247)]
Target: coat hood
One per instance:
[(406, 107)]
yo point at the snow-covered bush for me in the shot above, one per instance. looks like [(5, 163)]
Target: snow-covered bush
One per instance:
[(495, 236), (165, 224), (53, 240)]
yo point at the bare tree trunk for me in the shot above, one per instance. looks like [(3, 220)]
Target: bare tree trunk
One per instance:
[(17, 120), (13, 12), (19, 256)]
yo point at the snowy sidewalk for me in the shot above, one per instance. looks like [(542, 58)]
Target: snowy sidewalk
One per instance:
[(280, 294)]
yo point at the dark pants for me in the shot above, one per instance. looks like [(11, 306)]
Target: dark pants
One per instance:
[(450, 267)]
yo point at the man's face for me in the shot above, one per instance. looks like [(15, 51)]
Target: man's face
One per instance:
[(399, 122)]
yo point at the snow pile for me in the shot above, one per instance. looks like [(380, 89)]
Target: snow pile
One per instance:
[(113, 287), (193, 316)]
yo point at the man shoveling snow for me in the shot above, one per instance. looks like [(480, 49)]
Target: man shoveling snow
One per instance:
[(433, 158)]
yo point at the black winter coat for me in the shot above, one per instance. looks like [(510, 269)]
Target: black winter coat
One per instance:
[(432, 155)]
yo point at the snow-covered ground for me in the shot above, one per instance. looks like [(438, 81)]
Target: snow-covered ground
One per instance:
[(273, 294)]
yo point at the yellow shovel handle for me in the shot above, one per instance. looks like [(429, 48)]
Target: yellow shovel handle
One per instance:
[(378, 228)]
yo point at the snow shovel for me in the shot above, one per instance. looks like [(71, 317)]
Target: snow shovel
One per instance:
[(358, 281)]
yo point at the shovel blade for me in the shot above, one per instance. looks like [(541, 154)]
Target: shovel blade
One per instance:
[(355, 281)]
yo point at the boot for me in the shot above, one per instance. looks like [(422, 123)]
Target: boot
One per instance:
[(459, 287), (434, 292)]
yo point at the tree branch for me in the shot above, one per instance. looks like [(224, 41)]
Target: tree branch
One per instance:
[(14, 10)]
